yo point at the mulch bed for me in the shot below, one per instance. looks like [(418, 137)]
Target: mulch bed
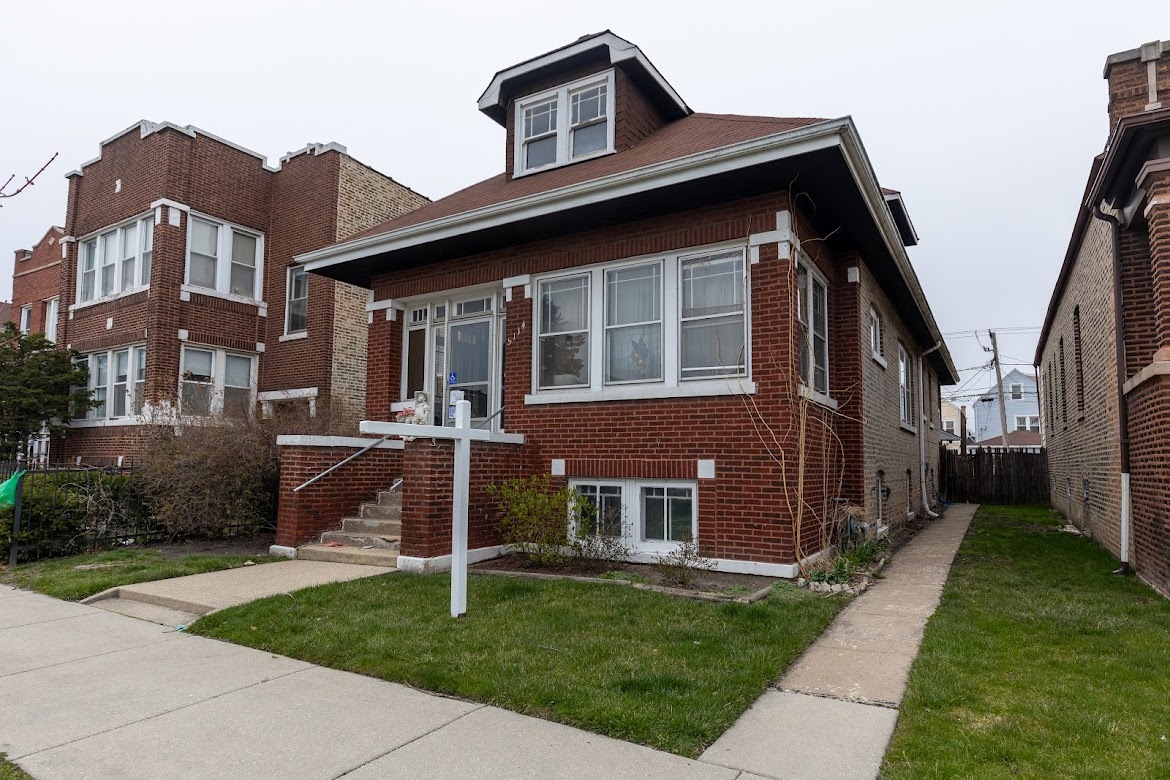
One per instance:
[(242, 545), (706, 586)]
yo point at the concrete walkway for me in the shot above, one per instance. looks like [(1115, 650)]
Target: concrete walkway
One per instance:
[(90, 694), (179, 601), (834, 711)]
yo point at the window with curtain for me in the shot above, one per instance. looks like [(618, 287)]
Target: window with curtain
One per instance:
[(712, 331), (633, 323), (204, 256), (224, 258), (198, 382)]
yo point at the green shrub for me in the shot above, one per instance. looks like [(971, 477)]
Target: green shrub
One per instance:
[(535, 518), (682, 565)]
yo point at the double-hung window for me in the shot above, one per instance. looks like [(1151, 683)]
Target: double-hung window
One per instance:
[(117, 261), (647, 516), (669, 320), (563, 350), (948, 426), (1017, 392), (875, 334), (905, 390), (117, 381), (52, 307), (572, 122), (214, 381), (812, 295), (26, 319), (224, 258), (297, 301), (1027, 423)]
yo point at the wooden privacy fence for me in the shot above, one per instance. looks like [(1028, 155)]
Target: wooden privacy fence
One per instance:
[(994, 477)]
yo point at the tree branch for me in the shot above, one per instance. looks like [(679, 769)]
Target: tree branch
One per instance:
[(28, 181)]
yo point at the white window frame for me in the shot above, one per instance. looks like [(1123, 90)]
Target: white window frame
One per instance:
[(877, 346), (96, 417), (223, 261), (1028, 420), (812, 277), (562, 95), (218, 377), (288, 300), (143, 224), (26, 319), (52, 310), (1017, 391), (949, 426), (673, 384), (632, 520), (905, 388)]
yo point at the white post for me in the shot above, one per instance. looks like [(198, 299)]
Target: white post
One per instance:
[(459, 511)]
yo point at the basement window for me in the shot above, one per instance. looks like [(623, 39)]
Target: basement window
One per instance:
[(570, 123), (648, 516)]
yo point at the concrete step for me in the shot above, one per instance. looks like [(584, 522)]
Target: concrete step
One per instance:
[(154, 613), (348, 539), (387, 498), (381, 511), (367, 525), (372, 557)]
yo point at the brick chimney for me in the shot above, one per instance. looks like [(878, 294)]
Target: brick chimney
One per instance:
[(1139, 80)]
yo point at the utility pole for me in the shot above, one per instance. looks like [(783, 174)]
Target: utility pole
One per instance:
[(999, 390), (963, 429)]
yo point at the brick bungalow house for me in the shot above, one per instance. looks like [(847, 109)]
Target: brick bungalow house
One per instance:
[(175, 276), (708, 324), (1104, 352), (36, 285)]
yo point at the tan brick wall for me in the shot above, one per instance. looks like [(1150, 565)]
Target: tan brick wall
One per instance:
[(349, 348), (1085, 452), (889, 447), (366, 198)]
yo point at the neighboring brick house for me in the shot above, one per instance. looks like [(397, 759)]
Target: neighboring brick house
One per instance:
[(176, 276), (1021, 409), (36, 282), (1104, 352), (646, 300)]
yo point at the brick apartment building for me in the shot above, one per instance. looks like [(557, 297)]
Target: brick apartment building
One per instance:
[(36, 285), (175, 280), (641, 306), (1104, 352)]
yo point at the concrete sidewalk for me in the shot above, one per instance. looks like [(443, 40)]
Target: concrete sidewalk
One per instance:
[(91, 694), (180, 600), (834, 711)]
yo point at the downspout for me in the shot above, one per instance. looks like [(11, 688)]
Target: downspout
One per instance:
[(1122, 411), (922, 433)]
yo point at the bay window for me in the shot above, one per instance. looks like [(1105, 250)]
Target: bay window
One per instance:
[(223, 258), (117, 383), (116, 261), (215, 381), (673, 321), (559, 126), (812, 295)]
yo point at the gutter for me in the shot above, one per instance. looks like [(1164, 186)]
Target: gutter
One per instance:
[(1122, 409), (922, 434)]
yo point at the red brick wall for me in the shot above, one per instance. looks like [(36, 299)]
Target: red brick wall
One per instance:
[(301, 517), (1129, 90), (428, 471), (36, 276), (1149, 433)]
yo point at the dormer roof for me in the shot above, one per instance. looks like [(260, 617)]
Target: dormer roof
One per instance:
[(512, 81)]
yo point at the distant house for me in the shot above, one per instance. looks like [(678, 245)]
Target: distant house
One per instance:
[(952, 426), (1024, 441), (1021, 403)]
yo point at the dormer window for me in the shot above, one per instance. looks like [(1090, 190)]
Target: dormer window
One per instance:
[(549, 136)]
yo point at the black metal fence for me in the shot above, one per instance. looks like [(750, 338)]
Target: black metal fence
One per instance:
[(61, 510)]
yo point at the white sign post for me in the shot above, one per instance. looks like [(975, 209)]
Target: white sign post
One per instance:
[(459, 490), (462, 434)]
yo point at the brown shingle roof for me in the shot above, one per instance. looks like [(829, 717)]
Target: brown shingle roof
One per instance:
[(690, 135)]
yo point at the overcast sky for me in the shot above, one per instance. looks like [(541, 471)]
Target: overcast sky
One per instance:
[(986, 118)]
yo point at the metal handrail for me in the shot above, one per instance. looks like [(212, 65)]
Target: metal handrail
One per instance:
[(482, 423), (336, 466)]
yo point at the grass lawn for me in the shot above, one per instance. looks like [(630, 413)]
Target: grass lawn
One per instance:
[(79, 576), (1038, 664), (644, 667), (10, 771)]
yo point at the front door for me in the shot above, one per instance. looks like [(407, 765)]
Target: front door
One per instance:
[(469, 367)]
